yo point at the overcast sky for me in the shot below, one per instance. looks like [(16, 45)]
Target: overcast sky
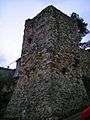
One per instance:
[(13, 14)]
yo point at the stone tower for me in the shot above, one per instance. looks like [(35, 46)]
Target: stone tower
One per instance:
[(50, 85)]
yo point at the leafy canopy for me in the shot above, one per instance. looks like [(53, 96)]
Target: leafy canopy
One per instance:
[(82, 26), (85, 45)]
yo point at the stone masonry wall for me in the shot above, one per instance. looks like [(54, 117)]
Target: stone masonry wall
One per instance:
[(50, 86)]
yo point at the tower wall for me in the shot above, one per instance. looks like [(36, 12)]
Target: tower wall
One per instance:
[(50, 85)]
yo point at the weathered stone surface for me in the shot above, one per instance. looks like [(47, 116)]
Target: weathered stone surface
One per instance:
[(50, 85)]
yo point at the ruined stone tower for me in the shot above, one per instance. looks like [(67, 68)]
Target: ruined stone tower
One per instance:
[(50, 85)]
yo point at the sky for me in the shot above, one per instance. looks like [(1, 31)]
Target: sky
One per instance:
[(13, 14)]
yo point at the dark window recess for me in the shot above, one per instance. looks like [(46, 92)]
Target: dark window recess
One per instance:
[(64, 70)]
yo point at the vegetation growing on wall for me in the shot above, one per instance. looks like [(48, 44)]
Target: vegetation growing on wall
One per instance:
[(7, 85), (85, 45), (82, 26), (86, 80)]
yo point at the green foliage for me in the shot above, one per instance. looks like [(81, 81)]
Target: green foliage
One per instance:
[(82, 26), (7, 85), (85, 45), (86, 81)]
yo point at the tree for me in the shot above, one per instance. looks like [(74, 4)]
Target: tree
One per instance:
[(82, 26), (85, 45)]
